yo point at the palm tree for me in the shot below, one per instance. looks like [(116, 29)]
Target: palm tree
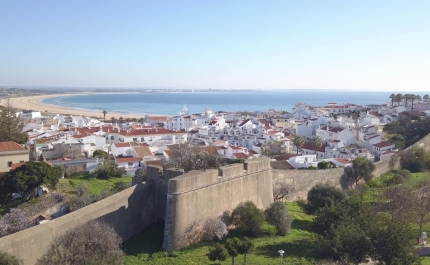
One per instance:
[(104, 114), (426, 97), (316, 143), (399, 98), (121, 120), (393, 98), (113, 119), (298, 142), (406, 98)]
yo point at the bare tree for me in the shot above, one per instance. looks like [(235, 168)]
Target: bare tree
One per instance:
[(273, 148), (14, 221), (194, 157), (408, 204), (192, 234), (214, 228), (282, 189), (92, 243)]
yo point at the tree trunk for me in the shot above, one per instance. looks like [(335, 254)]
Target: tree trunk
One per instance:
[(232, 260), (244, 259)]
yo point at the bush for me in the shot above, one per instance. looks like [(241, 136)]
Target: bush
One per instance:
[(92, 243), (277, 215), (269, 229), (8, 259), (322, 195), (100, 153), (249, 218), (108, 170), (120, 186)]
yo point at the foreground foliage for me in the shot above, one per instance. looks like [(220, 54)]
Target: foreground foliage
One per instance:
[(8, 259), (90, 244)]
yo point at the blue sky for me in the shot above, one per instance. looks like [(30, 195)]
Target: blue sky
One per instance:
[(351, 45)]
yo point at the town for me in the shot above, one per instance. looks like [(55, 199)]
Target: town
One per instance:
[(178, 155)]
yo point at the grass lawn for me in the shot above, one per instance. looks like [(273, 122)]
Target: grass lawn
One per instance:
[(145, 247), (96, 186)]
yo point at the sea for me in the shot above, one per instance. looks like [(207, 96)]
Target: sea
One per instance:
[(197, 102)]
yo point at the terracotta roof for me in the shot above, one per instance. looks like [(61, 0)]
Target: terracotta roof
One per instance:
[(240, 155), (309, 146), (154, 163), (343, 161), (127, 159), (332, 129), (143, 151), (158, 118), (16, 165), (10, 146), (122, 144), (383, 144), (149, 131), (42, 140)]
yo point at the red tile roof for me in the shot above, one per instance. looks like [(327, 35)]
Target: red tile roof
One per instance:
[(10, 146), (154, 163), (244, 122), (149, 131), (16, 165), (158, 118), (127, 159), (309, 146), (122, 144), (240, 155)]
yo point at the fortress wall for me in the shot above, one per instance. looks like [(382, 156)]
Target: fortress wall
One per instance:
[(198, 203), (127, 211)]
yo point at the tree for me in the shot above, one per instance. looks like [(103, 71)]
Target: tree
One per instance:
[(408, 204), (282, 189), (214, 228), (361, 169), (189, 156), (14, 221), (120, 186), (277, 215), (108, 170), (113, 119), (142, 120), (272, 149), (104, 114), (249, 218), (11, 125), (232, 246), (316, 143), (391, 244), (399, 99), (413, 97), (92, 243), (322, 195), (392, 98), (121, 120), (218, 252), (246, 247), (298, 142), (415, 159), (8, 259), (100, 153), (426, 97), (324, 165), (25, 179)]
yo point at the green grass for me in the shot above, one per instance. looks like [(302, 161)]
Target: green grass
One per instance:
[(95, 186), (145, 247)]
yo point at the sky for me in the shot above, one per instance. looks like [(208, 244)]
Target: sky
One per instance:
[(348, 45)]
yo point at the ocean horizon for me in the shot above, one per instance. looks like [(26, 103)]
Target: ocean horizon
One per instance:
[(172, 103)]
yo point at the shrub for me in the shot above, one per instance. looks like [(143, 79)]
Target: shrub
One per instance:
[(120, 186), (8, 259), (277, 215), (249, 218), (322, 195), (92, 243)]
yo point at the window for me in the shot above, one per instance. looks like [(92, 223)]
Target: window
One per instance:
[(112, 138), (21, 161), (9, 163), (142, 139), (134, 139), (130, 163)]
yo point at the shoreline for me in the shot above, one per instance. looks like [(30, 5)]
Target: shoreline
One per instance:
[(34, 103)]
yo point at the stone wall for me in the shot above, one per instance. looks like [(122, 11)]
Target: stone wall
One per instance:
[(128, 211), (197, 196)]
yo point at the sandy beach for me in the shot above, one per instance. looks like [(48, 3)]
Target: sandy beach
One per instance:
[(33, 103)]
